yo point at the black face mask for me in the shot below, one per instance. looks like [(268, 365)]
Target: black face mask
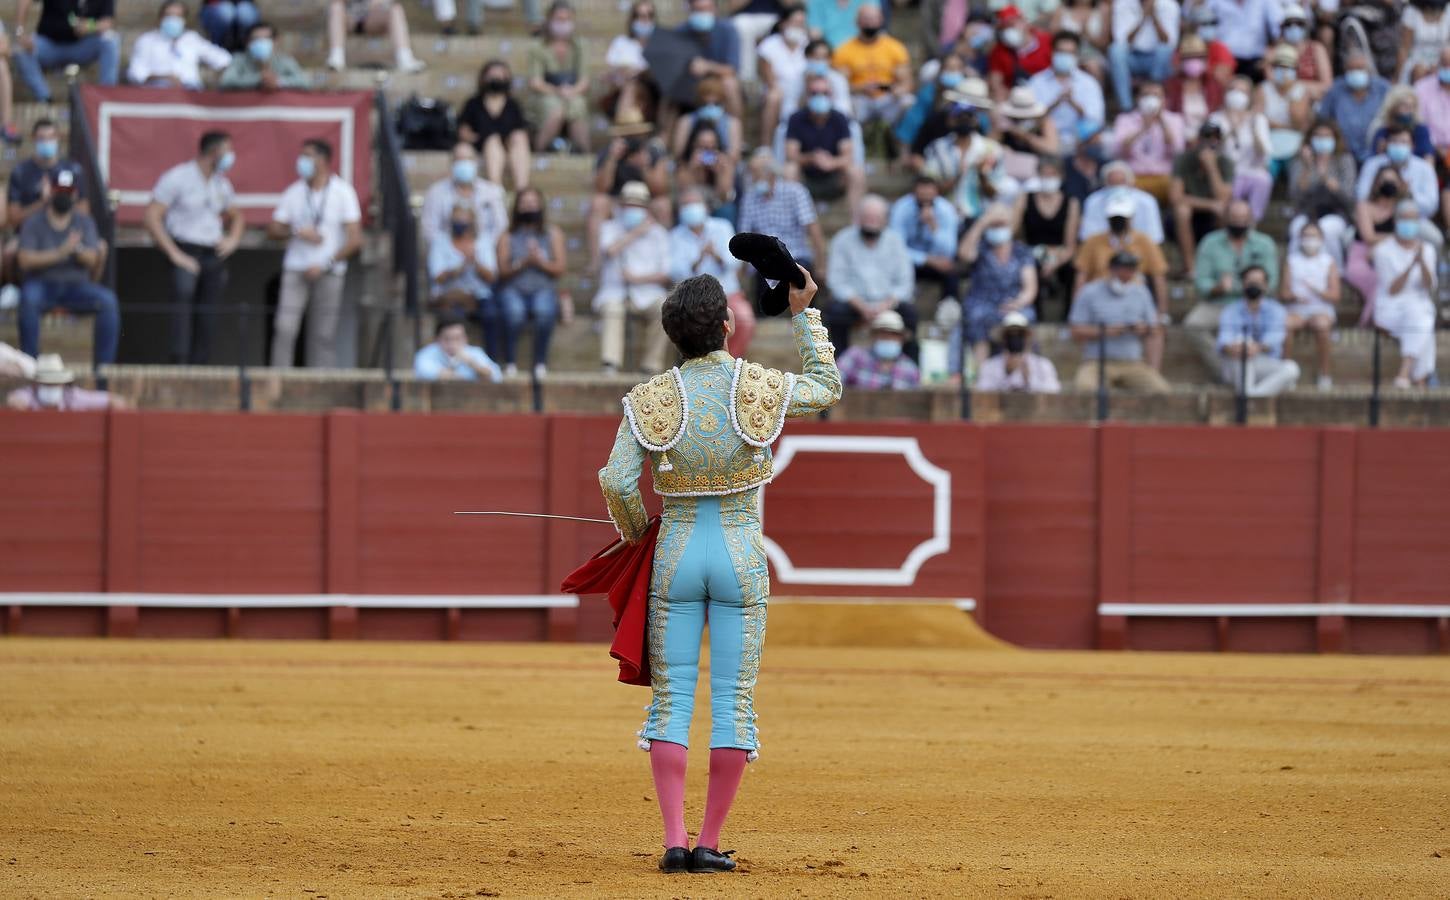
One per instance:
[(869, 33), (1237, 231), (961, 129), (529, 216), (62, 203), (1389, 190), (496, 86), (1253, 291), (459, 229), (870, 234), (1119, 225), (1015, 341)]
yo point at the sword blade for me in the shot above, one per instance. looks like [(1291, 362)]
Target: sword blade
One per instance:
[(527, 515)]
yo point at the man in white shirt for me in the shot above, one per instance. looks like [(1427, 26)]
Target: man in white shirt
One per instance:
[(171, 55), (1074, 99), (321, 221), (1247, 27), (634, 277), (1118, 181), (463, 185), (192, 219), (1145, 34), (700, 245)]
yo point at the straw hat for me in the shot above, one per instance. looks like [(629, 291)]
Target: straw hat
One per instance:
[(50, 370), (889, 320), (1192, 45), (630, 123), (634, 193), (1285, 56), (1022, 104), (971, 91)]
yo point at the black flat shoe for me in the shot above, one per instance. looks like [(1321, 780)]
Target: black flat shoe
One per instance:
[(706, 860), (676, 859)]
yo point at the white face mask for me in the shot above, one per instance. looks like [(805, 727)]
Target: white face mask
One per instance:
[(1149, 104), (1236, 100), (1049, 185), (50, 394), (1311, 246), (795, 36)]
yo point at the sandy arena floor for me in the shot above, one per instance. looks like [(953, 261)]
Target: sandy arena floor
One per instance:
[(314, 770)]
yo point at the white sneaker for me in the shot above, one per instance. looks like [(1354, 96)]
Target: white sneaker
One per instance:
[(540, 370), (1325, 382), (9, 297), (510, 370), (336, 61), (408, 63)]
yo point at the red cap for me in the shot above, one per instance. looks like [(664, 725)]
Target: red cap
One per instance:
[(1008, 14)]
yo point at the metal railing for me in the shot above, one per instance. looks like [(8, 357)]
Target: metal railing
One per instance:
[(398, 213), (83, 152)]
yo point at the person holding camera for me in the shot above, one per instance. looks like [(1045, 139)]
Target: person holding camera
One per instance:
[(1110, 318)]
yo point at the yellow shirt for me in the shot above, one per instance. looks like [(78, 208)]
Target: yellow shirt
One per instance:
[(871, 65)]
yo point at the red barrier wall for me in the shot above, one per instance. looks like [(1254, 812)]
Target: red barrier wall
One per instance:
[(1041, 523)]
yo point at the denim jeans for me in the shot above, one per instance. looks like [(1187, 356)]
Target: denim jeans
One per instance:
[(226, 23), (1124, 63), (39, 296), (103, 49), (542, 306), (490, 318), (198, 300)]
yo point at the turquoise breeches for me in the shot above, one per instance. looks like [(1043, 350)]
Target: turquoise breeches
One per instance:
[(709, 565)]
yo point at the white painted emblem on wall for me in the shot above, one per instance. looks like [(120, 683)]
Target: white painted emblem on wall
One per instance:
[(904, 575)]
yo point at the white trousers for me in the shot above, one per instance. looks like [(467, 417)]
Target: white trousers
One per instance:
[(1266, 375), (1411, 320), (751, 29)]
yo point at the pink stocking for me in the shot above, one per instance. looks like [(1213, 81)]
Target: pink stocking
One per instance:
[(726, 766), (667, 764)]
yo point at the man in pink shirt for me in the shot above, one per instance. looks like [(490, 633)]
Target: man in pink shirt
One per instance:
[(1149, 137), (52, 387), (1433, 92)]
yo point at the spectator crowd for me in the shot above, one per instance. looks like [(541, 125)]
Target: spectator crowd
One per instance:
[(1105, 163)]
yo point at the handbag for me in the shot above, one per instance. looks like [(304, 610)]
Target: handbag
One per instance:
[(425, 123)]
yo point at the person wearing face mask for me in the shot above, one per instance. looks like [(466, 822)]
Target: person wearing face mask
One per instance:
[(59, 254), (1193, 91), (531, 260), (462, 271), (634, 278), (1312, 68), (1424, 33), (961, 107), (719, 51), (1119, 181), (711, 115), (1353, 101), (193, 219), (781, 64), (321, 221), (881, 365), (1145, 34), (370, 17), (774, 204), (1418, 175), (493, 122), (1219, 62), (52, 386), (633, 154), (930, 101), (1246, 144), (1149, 137), (463, 186), (1402, 108), (1251, 336), (171, 55), (28, 190), (1002, 279), (1287, 104), (628, 78), (928, 223), (1311, 293), (817, 65), (1202, 184), (558, 84), (1074, 99), (1021, 51), (819, 149), (1224, 254), (262, 67), (1433, 92), (1374, 223), (878, 68), (1322, 178), (1406, 282), (1095, 256), (700, 245), (1016, 368), (1111, 319), (869, 270)]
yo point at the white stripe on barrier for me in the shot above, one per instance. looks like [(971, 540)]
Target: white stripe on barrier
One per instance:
[(296, 601), (1365, 610)]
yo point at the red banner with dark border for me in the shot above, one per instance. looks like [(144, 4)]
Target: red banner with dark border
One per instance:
[(141, 132)]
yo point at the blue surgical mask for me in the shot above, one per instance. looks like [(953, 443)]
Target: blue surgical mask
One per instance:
[(762, 188), (632, 217), (1294, 33), (642, 30), (260, 49), (998, 235), (693, 215), (1208, 32), (886, 348), (1445, 75), (306, 167), (1322, 144), (464, 171), (173, 26), (1407, 229), (1398, 153), (1063, 63), (819, 104), (709, 112), (47, 149), (228, 160), (1357, 79), (701, 21), (950, 80), (817, 67)]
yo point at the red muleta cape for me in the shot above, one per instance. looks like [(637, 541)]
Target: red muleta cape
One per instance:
[(622, 571)]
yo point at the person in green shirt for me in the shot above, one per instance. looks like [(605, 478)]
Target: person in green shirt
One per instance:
[(261, 67), (1222, 255)]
